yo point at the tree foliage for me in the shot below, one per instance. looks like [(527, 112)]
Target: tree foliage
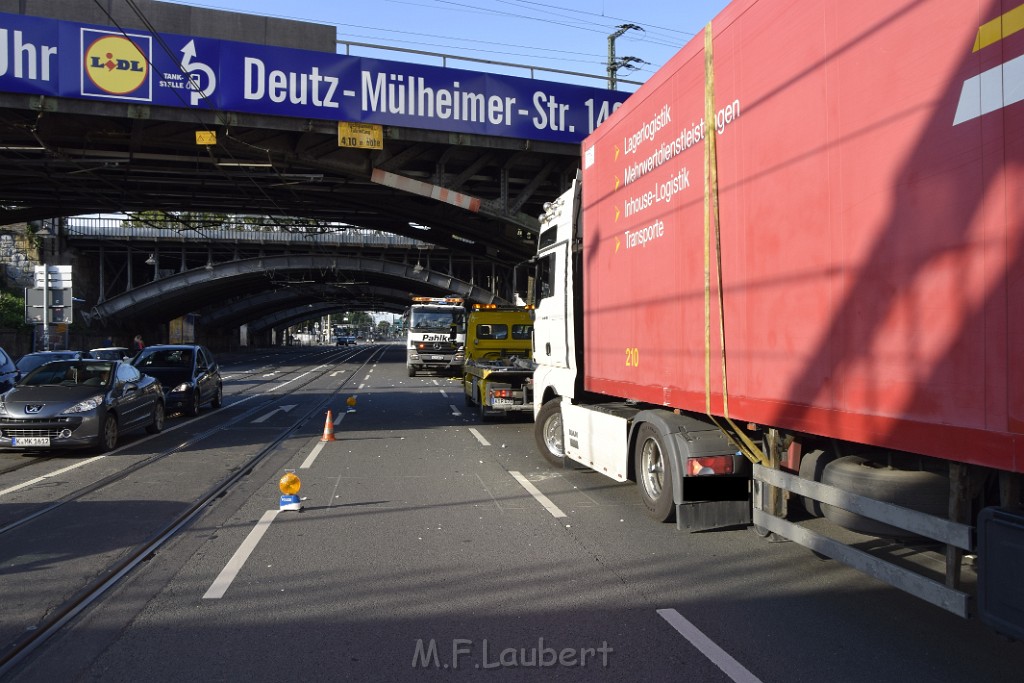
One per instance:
[(12, 311)]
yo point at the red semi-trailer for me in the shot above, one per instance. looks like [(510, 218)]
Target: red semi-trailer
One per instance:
[(793, 270)]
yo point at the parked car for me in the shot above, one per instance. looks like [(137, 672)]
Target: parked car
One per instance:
[(188, 372), (8, 371), (111, 353), (79, 403), (31, 361)]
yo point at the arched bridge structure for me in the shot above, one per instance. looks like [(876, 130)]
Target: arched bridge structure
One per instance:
[(263, 279), (144, 107)]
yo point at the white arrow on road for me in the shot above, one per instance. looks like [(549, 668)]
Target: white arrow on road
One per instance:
[(272, 412)]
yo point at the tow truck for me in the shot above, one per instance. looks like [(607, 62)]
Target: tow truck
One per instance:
[(499, 365)]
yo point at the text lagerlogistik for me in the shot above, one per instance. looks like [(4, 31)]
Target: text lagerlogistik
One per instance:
[(671, 148)]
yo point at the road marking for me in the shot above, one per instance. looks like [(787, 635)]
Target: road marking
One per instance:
[(541, 498), (273, 412), (284, 384), (719, 657), (227, 575), (341, 416), (455, 411), (443, 393), (51, 474), (479, 437), (312, 455), (335, 373)]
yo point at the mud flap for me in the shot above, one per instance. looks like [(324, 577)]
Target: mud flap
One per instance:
[(1001, 555), (712, 514), (702, 503)]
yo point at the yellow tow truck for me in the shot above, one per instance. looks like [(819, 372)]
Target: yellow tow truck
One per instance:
[(499, 364)]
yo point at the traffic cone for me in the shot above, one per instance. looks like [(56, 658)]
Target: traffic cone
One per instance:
[(328, 428)]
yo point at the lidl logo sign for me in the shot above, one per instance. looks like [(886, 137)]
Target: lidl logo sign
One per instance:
[(116, 65)]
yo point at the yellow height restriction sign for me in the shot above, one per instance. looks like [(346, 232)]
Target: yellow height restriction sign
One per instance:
[(361, 135)]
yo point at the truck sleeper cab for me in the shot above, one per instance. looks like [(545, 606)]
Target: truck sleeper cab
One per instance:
[(436, 337)]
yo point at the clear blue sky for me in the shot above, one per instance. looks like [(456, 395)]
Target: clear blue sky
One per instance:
[(571, 35)]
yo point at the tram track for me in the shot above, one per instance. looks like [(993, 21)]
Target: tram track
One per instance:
[(236, 379), (236, 376), (57, 616)]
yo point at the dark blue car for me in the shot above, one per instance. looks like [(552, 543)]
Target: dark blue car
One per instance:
[(188, 372)]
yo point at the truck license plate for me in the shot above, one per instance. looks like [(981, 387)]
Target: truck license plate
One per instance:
[(27, 441), (503, 402), (437, 358)]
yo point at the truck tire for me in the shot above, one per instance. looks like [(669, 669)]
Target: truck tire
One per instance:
[(920, 490), (653, 469), (548, 432), (412, 370), (812, 466)]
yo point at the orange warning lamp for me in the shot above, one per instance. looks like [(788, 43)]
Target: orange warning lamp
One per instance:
[(290, 484)]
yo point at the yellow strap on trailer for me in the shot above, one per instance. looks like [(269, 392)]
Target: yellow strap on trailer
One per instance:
[(711, 220)]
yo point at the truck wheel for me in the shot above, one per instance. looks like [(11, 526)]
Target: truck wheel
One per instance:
[(548, 432), (412, 371), (812, 466), (653, 474), (920, 490)]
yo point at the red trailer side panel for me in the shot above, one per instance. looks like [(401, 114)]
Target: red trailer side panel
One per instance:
[(871, 224)]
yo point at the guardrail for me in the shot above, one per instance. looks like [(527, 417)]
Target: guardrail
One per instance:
[(115, 228)]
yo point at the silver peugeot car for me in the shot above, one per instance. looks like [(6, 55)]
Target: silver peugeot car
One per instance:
[(78, 404)]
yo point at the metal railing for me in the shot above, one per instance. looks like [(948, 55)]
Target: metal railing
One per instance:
[(121, 229)]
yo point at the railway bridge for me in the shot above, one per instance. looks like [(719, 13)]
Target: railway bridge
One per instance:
[(256, 167)]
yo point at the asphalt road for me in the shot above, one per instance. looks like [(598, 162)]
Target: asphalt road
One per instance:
[(421, 555)]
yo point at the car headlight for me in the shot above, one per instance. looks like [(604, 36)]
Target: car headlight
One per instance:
[(184, 386), (85, 406)]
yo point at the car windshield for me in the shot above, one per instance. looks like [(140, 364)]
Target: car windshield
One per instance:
[(77, 373), (165, 358), (34, 360), (110, 354), (437, 319)]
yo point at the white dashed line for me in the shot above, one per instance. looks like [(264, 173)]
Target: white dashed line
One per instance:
[(541, 498), (719, 657)]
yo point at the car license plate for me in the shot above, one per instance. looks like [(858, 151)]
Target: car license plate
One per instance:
[(27, 441)]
